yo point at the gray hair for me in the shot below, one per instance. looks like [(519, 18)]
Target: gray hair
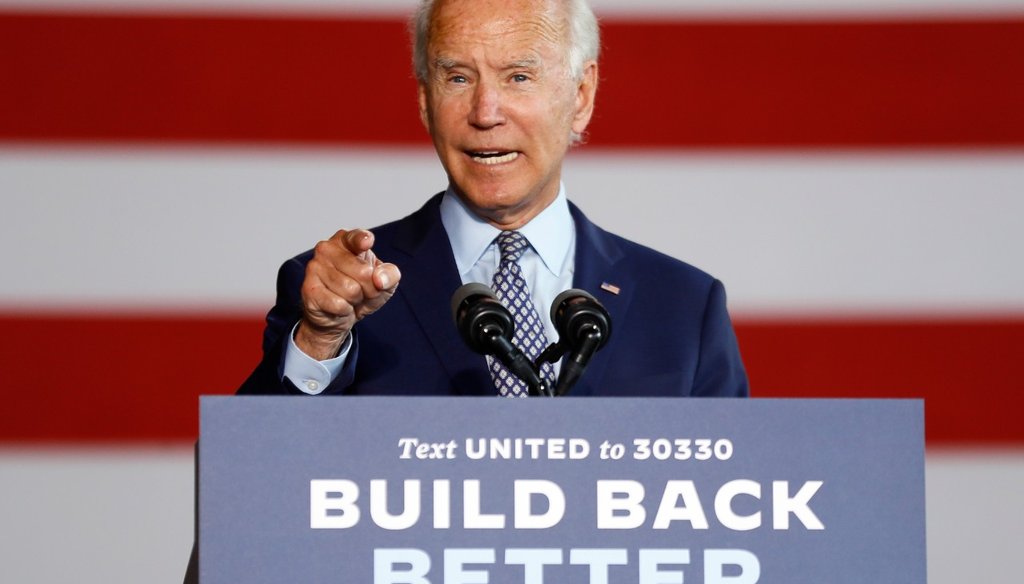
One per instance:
[(584, 44)]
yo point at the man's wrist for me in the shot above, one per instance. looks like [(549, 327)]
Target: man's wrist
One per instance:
[(319, 345), (308, 374)]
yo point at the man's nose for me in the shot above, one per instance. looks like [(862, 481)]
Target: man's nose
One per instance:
[(486, 111)]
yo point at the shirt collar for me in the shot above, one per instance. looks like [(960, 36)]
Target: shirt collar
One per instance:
[(550, 233)]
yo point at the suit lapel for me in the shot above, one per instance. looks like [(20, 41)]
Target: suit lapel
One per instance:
[(599, 271), (429, 278)]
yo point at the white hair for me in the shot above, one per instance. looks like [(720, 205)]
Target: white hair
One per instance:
[(584, 42)]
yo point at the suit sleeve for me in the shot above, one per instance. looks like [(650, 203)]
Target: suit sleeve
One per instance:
[(268, 377), (720, 371)]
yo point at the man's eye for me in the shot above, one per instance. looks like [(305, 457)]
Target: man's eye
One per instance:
[(457, 79), (520, 78)]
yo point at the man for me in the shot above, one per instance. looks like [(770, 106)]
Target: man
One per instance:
[(504, 87)]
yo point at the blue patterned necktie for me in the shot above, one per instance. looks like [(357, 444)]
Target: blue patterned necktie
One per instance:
[(510, 287)]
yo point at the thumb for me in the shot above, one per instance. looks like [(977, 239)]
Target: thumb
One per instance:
[(386, 277), (385, 280)]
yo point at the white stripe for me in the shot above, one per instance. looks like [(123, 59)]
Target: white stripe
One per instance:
[(809, 232), (799, 232), (975, 510), (185, 228), (107, 516), (612, 8), (125, 516)]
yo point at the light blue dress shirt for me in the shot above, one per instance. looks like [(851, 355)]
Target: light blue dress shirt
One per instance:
[(548, 267)]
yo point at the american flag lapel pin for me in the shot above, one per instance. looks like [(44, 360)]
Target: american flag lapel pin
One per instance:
[(610, 288)]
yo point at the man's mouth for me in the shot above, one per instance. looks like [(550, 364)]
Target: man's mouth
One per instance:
[(493, 157)]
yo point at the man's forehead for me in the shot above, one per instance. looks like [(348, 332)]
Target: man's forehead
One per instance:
[(510, 23), (492, 7)]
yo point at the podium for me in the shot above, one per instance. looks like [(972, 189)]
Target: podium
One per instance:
[(419, 490)]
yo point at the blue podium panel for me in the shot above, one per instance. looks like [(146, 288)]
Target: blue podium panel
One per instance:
[(485, 490)]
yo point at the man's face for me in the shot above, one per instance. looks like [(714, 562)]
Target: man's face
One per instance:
[(500, 103)]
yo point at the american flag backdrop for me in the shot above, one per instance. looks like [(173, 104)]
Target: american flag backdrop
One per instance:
[(852, 170)]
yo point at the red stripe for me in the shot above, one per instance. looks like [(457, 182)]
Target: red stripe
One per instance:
[(117, 378), (134, 378), (968, 371), (679, 83)]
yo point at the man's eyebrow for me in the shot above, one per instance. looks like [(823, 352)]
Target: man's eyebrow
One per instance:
[(445, 63), (527, 63)]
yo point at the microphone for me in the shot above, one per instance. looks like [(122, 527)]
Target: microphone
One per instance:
[(584, 327), (487, 328)]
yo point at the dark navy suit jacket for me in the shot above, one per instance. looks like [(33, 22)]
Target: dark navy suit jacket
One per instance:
[(671, 333)]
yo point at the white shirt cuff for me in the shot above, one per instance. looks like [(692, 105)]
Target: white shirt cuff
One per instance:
[(308, 374)]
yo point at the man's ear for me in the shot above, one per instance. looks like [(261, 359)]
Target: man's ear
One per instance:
[(421, 97), (586, 92)]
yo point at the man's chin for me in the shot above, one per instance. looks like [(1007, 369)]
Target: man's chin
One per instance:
[(502, 207)]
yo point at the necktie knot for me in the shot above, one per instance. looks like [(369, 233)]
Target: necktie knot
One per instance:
[(512, 244)]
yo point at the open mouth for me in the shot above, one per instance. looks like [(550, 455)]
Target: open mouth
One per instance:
[(493, 157)]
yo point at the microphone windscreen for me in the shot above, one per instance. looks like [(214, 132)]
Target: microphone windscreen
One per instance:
[(465, 292), (576, 313), (565, 298)]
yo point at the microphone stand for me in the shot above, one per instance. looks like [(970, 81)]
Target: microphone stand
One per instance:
[(590, 341), (518, 363), (552, 354), (573, 367)]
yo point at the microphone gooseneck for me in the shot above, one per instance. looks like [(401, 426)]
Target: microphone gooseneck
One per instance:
[(584, 327)]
